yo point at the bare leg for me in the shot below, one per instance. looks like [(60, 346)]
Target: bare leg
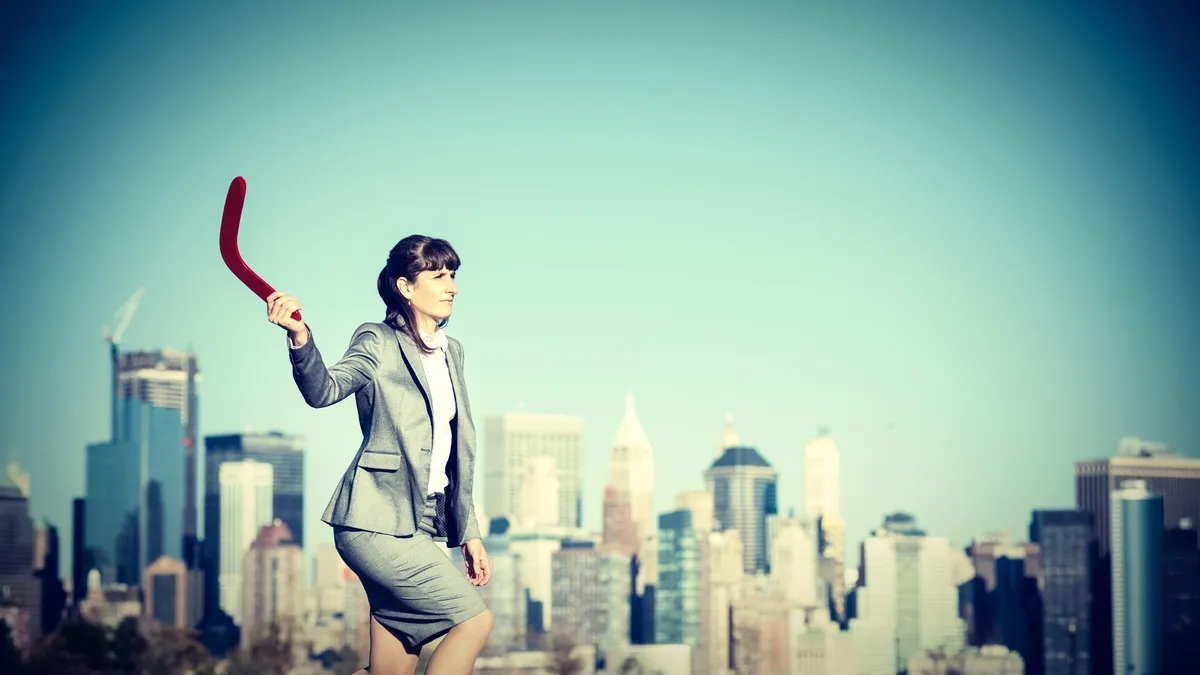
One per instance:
[(388, 655), (460, 647)]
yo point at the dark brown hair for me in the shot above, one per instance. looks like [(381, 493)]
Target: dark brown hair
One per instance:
[(409, 257)]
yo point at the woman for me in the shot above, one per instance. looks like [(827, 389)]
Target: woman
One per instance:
[(410, 483)]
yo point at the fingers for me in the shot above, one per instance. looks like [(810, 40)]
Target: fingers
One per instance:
[(272, 303), (280, 307), (478, 569), (286, 308), (483, 570)]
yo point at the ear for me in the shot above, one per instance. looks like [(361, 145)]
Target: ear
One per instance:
[(405, 288)]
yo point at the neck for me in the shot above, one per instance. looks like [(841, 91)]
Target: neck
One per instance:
[(425, 323)]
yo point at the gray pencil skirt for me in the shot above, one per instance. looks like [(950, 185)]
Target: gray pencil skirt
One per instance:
[(414, 589)]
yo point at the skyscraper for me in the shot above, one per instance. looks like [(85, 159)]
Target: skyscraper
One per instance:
[(1137, 578), (721, 587), (823, 505), (285, 454), (534, 557), (538, 503), (509, 440), (1017, 609), (743, 486), (591, 595), (795, 572), (631, 473), (246, 496), (45, 567), (677, 601), (22, 599), (166, 378), (909, 602), (1164, 471), (822, 478), (1181, 598), (709, 649), (134, 491), (618, 533), (1068, 556)]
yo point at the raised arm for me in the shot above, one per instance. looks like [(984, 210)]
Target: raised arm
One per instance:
[(321, 386)]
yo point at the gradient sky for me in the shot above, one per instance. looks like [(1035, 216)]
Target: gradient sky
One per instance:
[(964, 237)]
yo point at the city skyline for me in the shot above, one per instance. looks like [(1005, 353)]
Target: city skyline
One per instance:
[(729, 434), (593, 507), (894, 226)]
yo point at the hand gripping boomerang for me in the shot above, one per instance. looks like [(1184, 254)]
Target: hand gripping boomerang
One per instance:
[(230, 222)]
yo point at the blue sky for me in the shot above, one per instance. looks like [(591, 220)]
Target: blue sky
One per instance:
[(962, 237)]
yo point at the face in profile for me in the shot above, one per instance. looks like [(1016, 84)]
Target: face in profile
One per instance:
[(432, 294)]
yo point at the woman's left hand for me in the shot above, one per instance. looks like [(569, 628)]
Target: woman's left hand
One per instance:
[(479, 570)]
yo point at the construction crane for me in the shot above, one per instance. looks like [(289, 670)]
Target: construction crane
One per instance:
[(112, 335)]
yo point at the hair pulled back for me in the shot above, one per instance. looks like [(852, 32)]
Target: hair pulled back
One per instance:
[(408, 258)]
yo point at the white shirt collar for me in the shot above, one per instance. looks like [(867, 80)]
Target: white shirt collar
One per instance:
[(438, 340)]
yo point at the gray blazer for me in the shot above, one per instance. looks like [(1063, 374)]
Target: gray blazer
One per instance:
[(383, 490)]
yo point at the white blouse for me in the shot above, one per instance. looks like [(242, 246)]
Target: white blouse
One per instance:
[(441, 394)]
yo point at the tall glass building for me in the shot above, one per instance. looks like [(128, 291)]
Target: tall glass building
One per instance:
[(1181, 598), (677, 602), (135, 495), (1068, 550), (1137, 579), (743, 486), (164, 378)]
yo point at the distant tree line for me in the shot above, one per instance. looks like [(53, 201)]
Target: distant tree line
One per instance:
[(79, 647)]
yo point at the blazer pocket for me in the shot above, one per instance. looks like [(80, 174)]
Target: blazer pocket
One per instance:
[(383, 461)]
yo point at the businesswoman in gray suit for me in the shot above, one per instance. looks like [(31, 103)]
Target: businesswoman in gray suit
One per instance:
[(410, 483)]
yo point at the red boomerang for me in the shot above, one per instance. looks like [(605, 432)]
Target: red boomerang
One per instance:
[(231, 220)]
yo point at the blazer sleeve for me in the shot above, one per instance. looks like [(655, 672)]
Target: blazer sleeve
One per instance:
[(472, 529), (321, 386)]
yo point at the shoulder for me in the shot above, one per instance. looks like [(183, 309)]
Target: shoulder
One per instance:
[(371, 332), (455, 346), (375, 327)]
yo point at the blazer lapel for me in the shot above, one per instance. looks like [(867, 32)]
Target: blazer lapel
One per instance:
[(412, 354)]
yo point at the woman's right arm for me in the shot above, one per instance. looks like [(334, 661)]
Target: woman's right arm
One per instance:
[(321, 386)]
